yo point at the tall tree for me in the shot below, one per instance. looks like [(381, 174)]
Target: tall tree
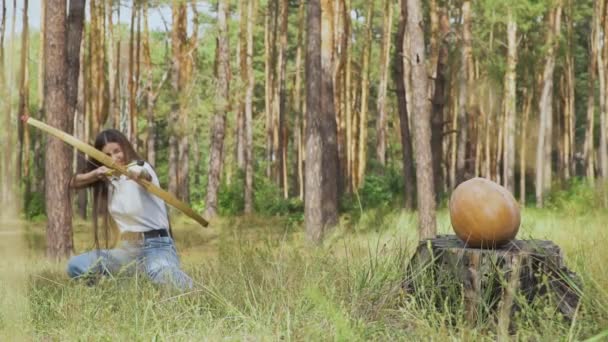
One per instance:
[(282, 99), (367, 48), (602, 61), (178, 40), (510, 105), (75, 25), (320, 204), (422, 131), (23, 95), (592, 71), (298, 105), (382, 98), (439, 60), (4, 153), (248, 122), (221, 107), (399, 61), (543, 147), (463, 77), (182, 48), (58, 156)]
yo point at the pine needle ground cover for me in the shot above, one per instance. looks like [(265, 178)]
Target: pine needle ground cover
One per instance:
[(258, 279)]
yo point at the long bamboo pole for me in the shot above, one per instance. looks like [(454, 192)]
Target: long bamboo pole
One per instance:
[(107, 161)]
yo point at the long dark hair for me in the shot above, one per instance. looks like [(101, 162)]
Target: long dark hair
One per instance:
[(100, 188)]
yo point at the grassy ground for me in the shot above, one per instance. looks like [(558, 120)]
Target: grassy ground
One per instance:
[(257, 279)]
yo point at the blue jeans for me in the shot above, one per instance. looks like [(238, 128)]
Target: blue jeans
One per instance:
[(156, 257)]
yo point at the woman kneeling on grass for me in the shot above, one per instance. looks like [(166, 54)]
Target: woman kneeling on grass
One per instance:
[(136, 213)]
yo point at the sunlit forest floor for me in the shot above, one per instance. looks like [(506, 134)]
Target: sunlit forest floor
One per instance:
[(258, 279)]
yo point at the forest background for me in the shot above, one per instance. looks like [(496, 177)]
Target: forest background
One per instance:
[(388, 104)]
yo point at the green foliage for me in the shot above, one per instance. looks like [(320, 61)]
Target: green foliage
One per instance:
[(378, 190), (576, 198), (34, 207), (268, 198)]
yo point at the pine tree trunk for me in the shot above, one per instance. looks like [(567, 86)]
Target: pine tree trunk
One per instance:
[(589, 148), (367, 49), (463, 93), (328, 124), (528, 96), (240, 113), (58, 156), (23, 96), (422, 130), (4, 169), (131, 132), (221, 107), (348, 100), (543, 161), (400, 85), (81, 129), (298, 107), (382, 88), (438, 101), (282, 100), (338, 75), (603, 78), (269, 60), (74, 44), (249, 172), (510, 106), (320, 203), (570, 109)]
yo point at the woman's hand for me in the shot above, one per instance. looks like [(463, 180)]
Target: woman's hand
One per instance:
[(138, 172), (82, 180), (101, 172)]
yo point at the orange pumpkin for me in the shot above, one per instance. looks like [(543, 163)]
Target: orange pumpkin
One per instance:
[(483, 213)]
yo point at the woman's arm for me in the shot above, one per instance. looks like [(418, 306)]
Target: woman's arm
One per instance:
[(82, 180)]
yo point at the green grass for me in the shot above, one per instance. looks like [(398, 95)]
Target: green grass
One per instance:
[(258, 279)]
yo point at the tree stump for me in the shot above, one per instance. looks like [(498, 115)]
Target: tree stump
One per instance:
[(491, 282)]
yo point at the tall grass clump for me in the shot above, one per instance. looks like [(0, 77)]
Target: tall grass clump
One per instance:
[(258, 278)]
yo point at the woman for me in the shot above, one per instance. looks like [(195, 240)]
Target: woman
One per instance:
[(135, 212)]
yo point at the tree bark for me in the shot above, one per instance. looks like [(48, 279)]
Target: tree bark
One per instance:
[(528, 96), (463, 106), (367, 48), (382, 88), (282, 99), (510, 105), (22, 163), (58, 156), (589, 148), (543, 160), (75, 28), (320, 204), (400, 85), (422, 130), (569, 108), (298, 106), (249, 172), (602, 75), (269, 62), (221, 107), (438, 101)]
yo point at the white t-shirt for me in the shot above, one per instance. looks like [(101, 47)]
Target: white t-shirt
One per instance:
[(133, 208)]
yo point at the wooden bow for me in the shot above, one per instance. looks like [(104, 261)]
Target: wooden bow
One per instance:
[(109, 162)]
